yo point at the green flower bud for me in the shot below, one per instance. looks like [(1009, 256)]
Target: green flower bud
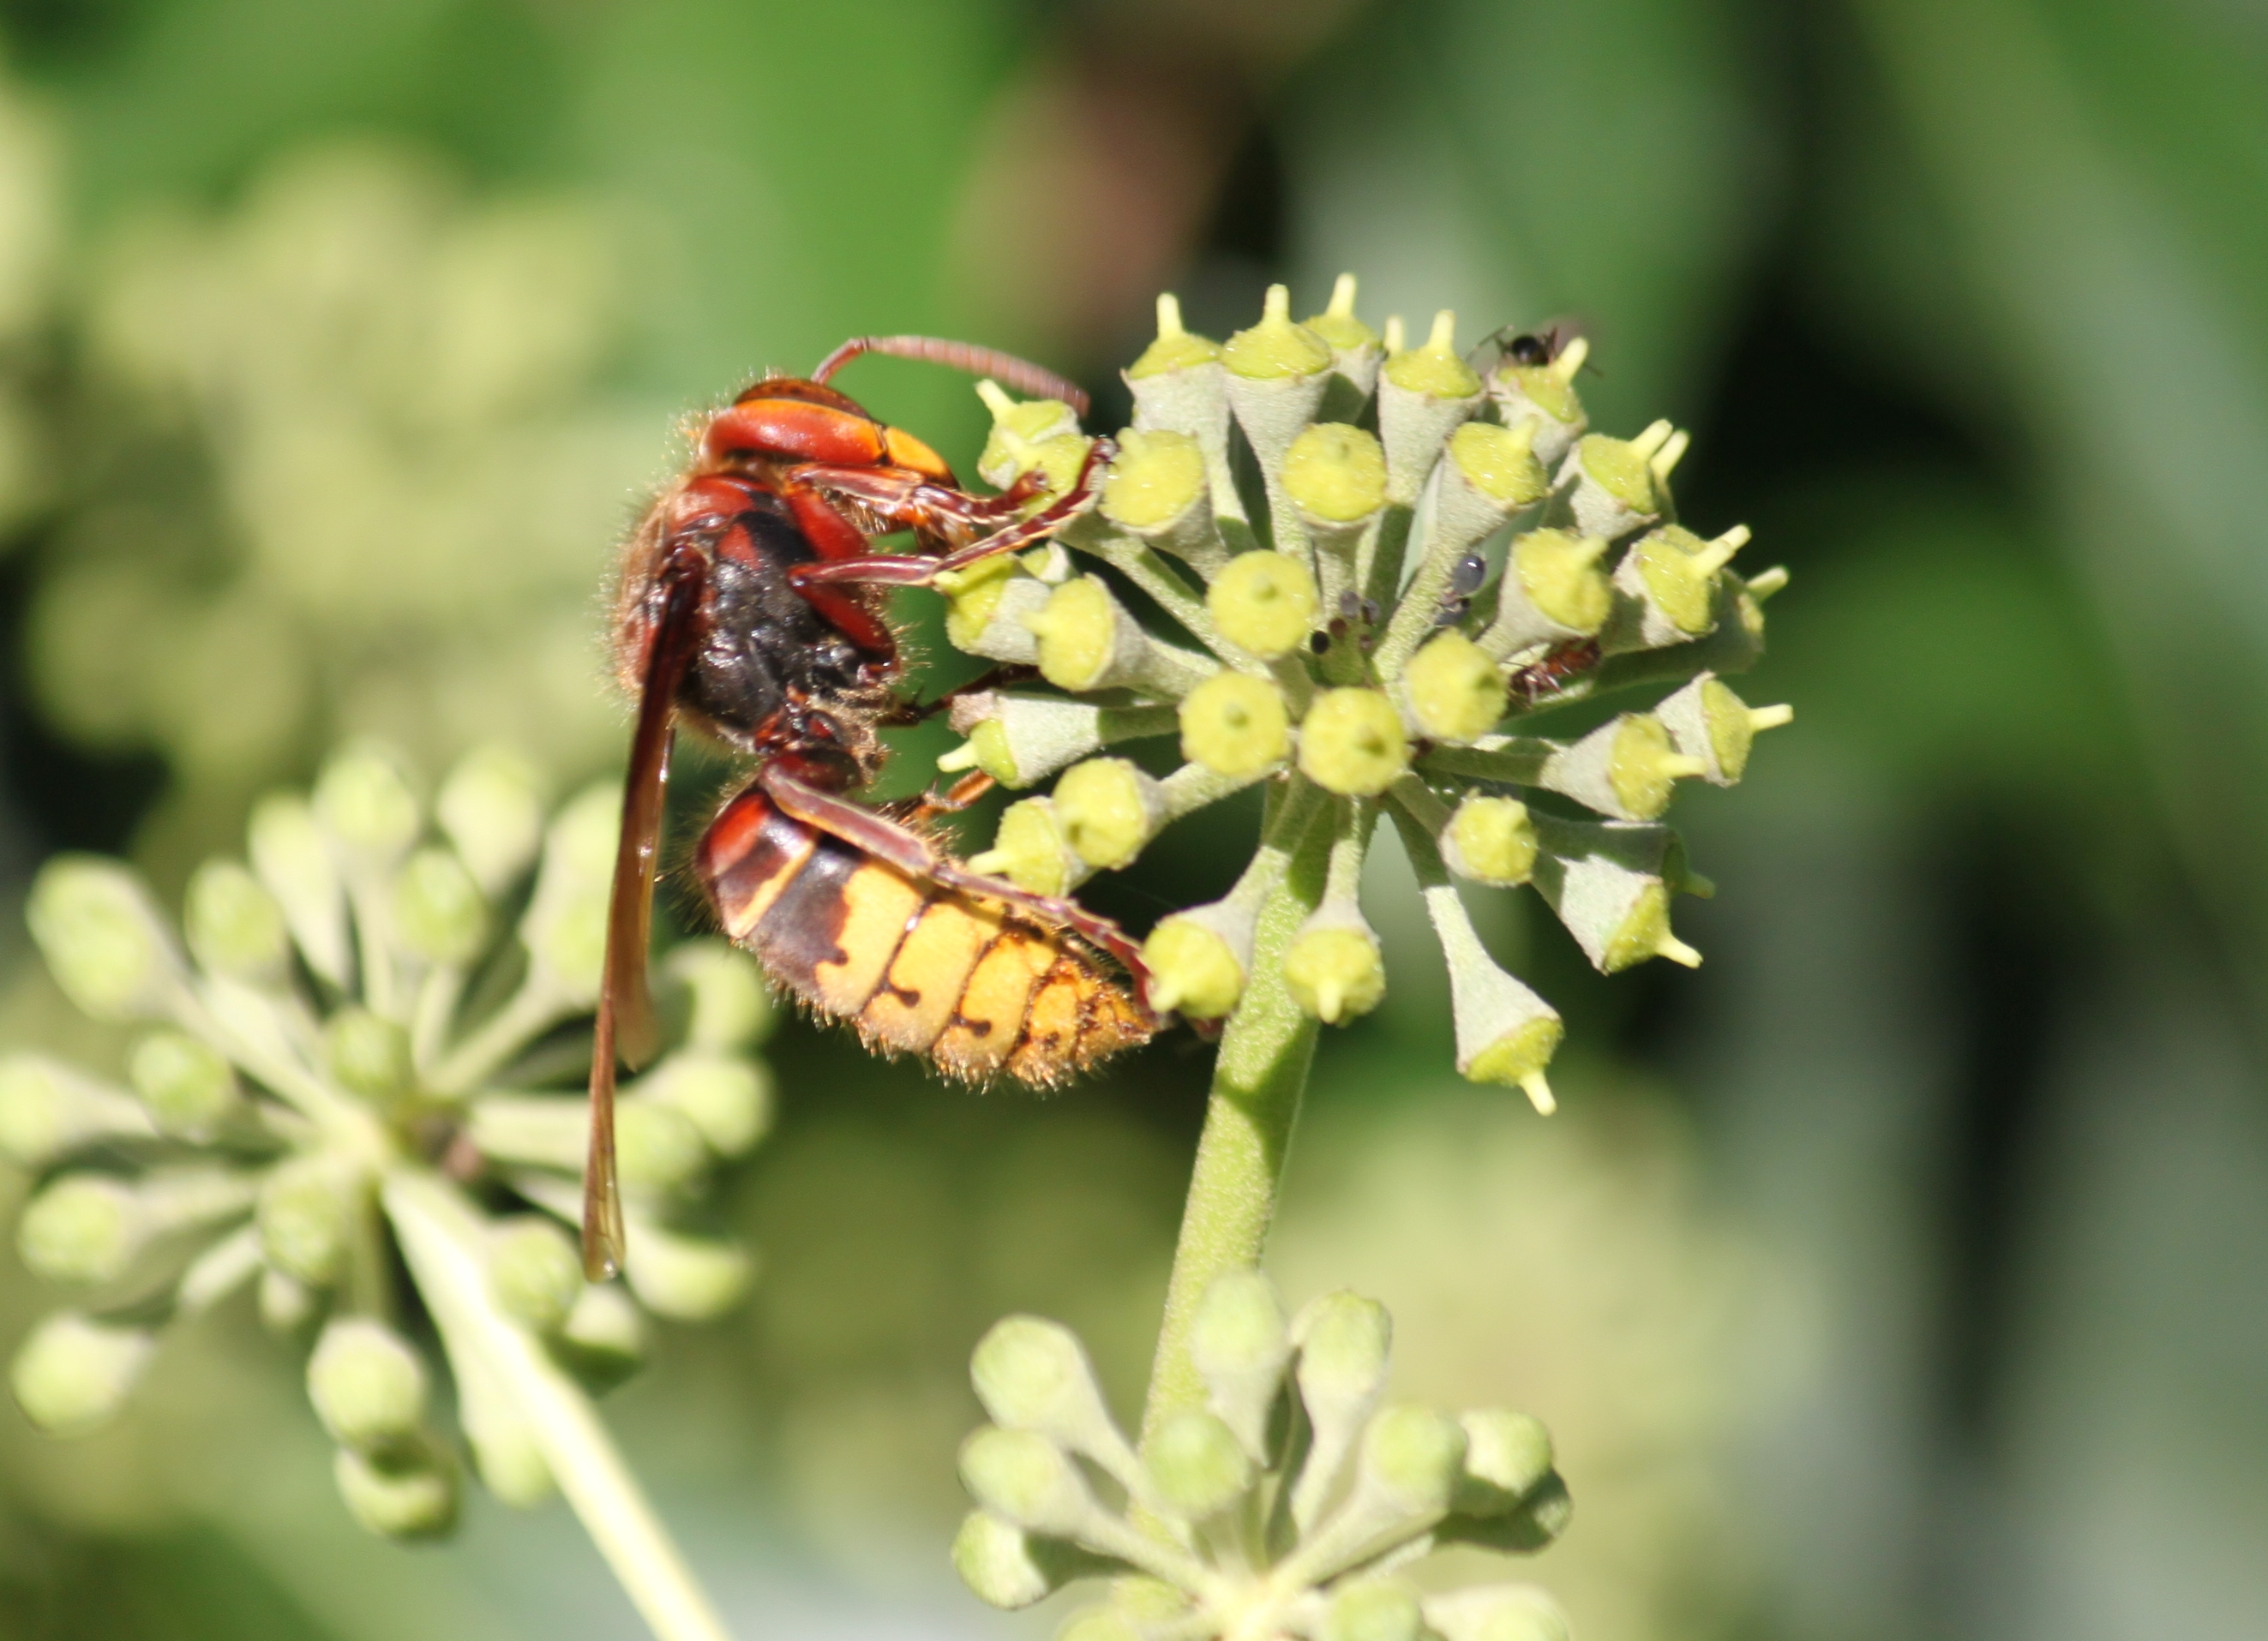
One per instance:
[(1174, 348), (1235, 725), (728, 1098), (1413, 1456), (1372, 1610), (1553, 590), (363, 797), (1265, 603), (1033, 1374), (655, 1147), (234, 925), (1031, 851), (1276, 350), (1618, 916), (91, 1227), (48, 1109), (1019, 739), (102, 937), (1626, 768), (412, 1497), (987, 607), (1422, 394), (1161, 492), (1179, 385), (1613, 491), (731, 1011), (688, 1278), (534, 1271), (1082, 632), (1108, 810), (368, 1056), (1026, 1481), (439, 911), (368, 1385), (1197, 1467), (1530, 1526), (1543, 397), (81, 1229), (491, 809), (1436, 370), (1506, 1034), (1352, 742), (186, 1084), (1239, 1344), (1335, 474), (1020, 431), (1198, 960), (604, 1340), (1490, 840), (1334, 967), (307, 1208), (1501, 1612), (1158, 477), (72, 1374), (1455, 691), (1507, 1455), (1706, 720), (1499, 463), (1344, 1341), (1670, 577), (1001, 1565), (1088, 641), (293, 857)]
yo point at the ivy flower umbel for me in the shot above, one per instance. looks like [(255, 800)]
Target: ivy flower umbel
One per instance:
[(1431, 558), (362, 1062), (1284, 1505)]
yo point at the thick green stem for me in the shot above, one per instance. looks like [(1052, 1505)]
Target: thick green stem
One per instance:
[(1259, 1076), (443, 1237)]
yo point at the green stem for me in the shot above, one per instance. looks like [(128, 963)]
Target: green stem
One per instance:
[(1259, 1077), (443, 1238)]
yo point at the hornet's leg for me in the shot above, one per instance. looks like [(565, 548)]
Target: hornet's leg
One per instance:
[(911, 571), (901, 499)]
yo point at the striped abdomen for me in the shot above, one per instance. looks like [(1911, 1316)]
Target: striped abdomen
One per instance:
[(916, 968)]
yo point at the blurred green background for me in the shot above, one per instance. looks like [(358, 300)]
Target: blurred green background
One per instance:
[(1904, 1272)]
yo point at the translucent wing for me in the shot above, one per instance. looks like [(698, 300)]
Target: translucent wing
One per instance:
[(626, 1025)]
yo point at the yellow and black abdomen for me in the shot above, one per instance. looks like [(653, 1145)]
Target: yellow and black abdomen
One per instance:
[(916, 967)]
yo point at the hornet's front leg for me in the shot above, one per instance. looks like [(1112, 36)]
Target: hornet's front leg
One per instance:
[(916, 571)]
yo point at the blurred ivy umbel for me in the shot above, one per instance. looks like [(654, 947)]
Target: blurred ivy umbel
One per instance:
[(1375, 564), (359, 1066)]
